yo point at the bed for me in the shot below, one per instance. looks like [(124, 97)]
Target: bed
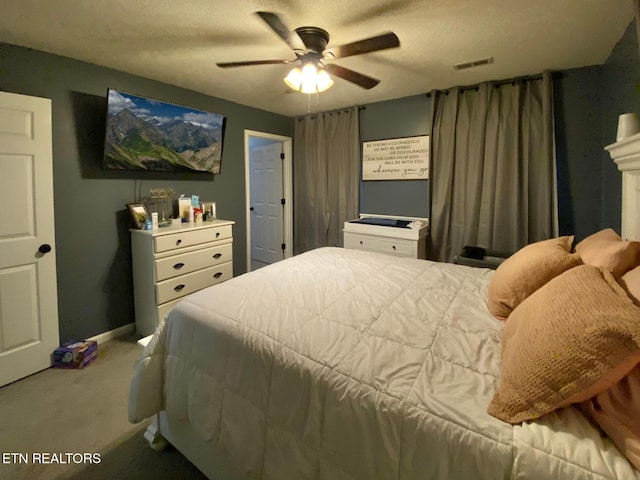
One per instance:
[(343, 364)]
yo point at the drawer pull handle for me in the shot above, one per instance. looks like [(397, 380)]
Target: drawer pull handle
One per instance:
[(217, 275), (177, 288), (178, 266), (217, 234), (394, 247), (360, 242), (217, 256), (178, 242)]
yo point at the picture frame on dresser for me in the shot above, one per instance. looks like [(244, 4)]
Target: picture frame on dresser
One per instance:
[(139, 214), (209, 210)]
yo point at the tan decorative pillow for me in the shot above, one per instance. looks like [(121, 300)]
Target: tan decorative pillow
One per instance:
[(606, 249), (607, 235), (526, 271), (570, 340), (631, 282)]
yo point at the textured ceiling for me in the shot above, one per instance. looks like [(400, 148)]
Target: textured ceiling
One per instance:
[(179, 42)]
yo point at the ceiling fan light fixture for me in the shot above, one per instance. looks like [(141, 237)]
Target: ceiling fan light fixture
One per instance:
[(309, 44), (294, 79), (309, 75), (323, 81), (309, 79)]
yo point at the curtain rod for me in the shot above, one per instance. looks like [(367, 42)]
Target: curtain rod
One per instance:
[(339, 110), (496, 83)]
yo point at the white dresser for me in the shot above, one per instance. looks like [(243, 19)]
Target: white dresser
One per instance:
[(410, 241), (171, 262)]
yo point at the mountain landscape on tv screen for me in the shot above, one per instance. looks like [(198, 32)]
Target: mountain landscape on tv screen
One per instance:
[(145, 134)]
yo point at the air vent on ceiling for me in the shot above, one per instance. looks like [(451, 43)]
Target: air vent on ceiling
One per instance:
[(475, 63)]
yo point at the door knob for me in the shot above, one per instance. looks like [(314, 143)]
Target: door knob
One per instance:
[(251, 209), (44, 248)]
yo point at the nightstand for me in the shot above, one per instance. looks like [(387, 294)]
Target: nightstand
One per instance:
[(399, 236)]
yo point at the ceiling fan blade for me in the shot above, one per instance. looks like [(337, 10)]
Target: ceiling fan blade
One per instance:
[(373, 44), (253, 62), (290, 37), (359, 79)]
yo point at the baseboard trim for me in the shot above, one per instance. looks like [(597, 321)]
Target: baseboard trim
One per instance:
[(116, 332)]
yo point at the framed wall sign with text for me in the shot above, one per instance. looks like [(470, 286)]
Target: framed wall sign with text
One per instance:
[(396, 159)]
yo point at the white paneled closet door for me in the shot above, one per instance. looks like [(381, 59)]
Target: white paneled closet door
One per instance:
[(28, 293), (267, 234)]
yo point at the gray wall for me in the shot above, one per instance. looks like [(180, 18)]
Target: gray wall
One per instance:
[(404, 117), (587, 104), (578, 115), (92, 239), (620, 80)]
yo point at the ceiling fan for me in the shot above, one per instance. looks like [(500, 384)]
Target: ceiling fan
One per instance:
[(309, 45)]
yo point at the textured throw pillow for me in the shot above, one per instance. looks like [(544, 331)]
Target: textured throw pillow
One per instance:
[(617, 412), (526, 271), (570, 340), (606, 249), (607, 235), (631, 282)]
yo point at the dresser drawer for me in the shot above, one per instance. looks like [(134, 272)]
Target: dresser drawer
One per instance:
[(164, 309), (183, 285), (190, 262), (172, 241), (391, 246)]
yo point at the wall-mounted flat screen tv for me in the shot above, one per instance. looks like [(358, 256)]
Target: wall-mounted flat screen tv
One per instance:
[(147, 134)]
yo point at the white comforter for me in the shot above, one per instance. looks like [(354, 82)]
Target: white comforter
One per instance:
[(347, 365)]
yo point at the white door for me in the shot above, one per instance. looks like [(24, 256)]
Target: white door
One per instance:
[(266, 206), (28, 293)]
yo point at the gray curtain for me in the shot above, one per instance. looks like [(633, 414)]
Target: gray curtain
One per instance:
[(493, 174), (326, 177)]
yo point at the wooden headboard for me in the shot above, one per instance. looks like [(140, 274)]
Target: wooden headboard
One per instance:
[(626, 154)]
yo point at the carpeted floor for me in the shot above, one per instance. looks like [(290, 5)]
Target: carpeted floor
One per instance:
[(57, 412)]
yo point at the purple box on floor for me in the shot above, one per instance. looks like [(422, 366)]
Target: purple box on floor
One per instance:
[(75, 354)]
